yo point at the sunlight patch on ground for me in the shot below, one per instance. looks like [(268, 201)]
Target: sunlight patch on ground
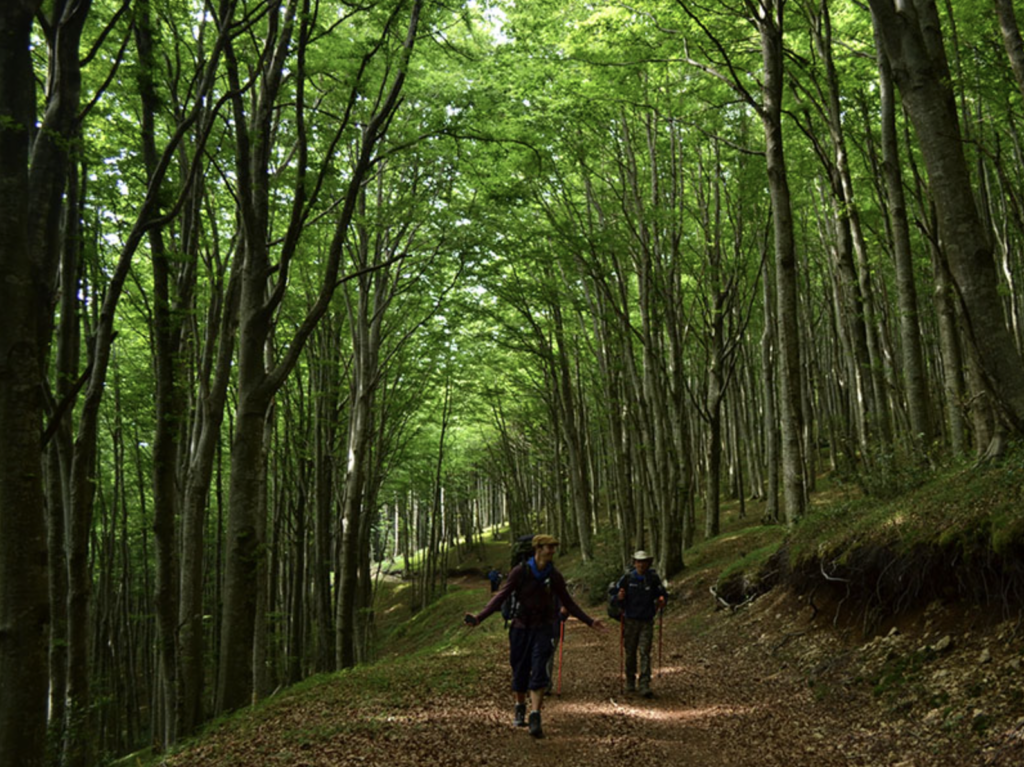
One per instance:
[(652, 713)]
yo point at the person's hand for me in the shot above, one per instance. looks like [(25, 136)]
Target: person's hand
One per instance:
[(598, 624), (470, 620), (622, 595), (661, 603)]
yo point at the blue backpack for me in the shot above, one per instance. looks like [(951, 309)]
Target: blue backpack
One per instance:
[(614, 605)]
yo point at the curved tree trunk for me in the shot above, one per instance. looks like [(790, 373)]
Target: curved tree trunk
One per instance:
[(912, 37)]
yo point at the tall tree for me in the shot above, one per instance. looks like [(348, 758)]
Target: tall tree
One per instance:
[(912, 35), (257, 383), (24, 606), (767, 16)]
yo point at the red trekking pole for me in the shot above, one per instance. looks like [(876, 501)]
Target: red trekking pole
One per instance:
[(622, 656), (661, 634), (561, 644)]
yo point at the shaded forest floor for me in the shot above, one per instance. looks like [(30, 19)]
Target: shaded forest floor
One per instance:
[(766, 684)]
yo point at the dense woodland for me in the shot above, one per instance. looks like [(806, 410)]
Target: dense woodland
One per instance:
[(291, 288)]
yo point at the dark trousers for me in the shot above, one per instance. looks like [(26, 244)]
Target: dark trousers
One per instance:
[(529, 650)]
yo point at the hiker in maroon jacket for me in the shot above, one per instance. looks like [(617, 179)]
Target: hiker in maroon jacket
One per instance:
[(536, 583)]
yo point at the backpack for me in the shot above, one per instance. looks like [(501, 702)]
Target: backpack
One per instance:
[(614, 605), (522, 550)]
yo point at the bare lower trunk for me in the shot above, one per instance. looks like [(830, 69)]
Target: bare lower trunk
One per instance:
[(791, 410), (1011, 39), (915, 382), (913, 41)]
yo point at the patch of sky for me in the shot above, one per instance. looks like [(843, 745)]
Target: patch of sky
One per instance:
[(494, 18)]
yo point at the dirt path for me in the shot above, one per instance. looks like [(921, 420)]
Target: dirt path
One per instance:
[(710, 708), (713, 705), (731, 690)]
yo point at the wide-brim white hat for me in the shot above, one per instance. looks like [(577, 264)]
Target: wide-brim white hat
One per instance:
[(641, 555)]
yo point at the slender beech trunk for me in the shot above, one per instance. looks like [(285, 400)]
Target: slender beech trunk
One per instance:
[(24, 607), (912, 37), (771, 424), (579, 482), (325, 394), (60, 451), (215, 373), (915, 380), (1010, 30), (364, 324), (170, 404), (770, 26)]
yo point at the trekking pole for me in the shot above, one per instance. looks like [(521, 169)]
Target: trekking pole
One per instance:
[(661, 634), (622, 656), (561, 643)]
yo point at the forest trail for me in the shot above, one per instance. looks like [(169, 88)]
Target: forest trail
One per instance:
[(714, 704), (732, 689)]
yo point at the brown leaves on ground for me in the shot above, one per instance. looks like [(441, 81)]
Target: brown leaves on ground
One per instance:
[(756, 688)]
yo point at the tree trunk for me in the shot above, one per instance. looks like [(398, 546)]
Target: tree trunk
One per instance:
[(915, 380), (24, 607), (1011, 39), (913, 41), (791, 411), (579, 482), (170, 404), (325, 395)]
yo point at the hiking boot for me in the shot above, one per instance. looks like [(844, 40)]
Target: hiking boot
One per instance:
[(535, 730), (646, 692), (519, 718), (630, 686)]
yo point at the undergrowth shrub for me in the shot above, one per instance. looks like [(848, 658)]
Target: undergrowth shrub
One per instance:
[(595, 575), (889, 474)]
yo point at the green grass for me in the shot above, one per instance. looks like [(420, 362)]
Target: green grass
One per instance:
[(739, 548), (436, 628), (963, 507)]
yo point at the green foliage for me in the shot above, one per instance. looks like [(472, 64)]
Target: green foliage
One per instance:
[(595, 575), (889, 474)]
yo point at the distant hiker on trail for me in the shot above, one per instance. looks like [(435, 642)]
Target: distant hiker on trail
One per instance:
[(641, 595), (535, 583), (495, 578)]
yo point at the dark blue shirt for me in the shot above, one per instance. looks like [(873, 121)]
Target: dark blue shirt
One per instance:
[(642, 592)]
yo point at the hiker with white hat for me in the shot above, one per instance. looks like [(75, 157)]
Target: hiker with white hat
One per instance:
[(642, 595)]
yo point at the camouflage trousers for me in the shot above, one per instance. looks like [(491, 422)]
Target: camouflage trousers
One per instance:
[(638, 637)]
